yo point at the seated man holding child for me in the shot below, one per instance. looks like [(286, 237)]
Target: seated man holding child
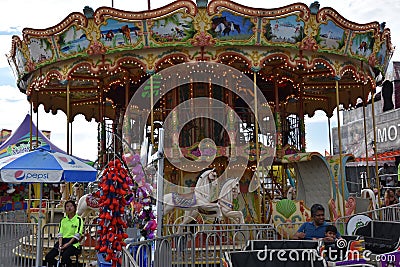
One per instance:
[(316, 228)]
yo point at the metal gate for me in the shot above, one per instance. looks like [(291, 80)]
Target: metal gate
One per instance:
[(17, 244)]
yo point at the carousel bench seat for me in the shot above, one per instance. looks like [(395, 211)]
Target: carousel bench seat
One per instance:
[(380, 237)]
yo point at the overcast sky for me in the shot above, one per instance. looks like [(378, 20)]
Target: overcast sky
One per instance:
[(19, 14)]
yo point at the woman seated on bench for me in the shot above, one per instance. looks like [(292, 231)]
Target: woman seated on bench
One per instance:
[(71, 229)]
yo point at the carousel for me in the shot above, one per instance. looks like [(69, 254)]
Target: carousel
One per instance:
[(219, 85)]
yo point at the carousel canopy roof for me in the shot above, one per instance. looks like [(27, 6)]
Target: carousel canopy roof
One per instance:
[(300, 54)]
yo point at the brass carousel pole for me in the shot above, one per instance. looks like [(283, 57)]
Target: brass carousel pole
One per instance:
[(38, 261), (37, 187), (101, 130), (71, 134), (151, 110), (301, 122), (366, 142), (68, 152), (151, 95), (127, 94), (30, 148), (37, 127), (330, 136), (68, 117), (340, 152), (278, 119), (30, 126), (121, 120), (378, 182), (257, 143)]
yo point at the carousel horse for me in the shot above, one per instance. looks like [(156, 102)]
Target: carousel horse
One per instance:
[(88, 204), (202, 196), (230, 191)]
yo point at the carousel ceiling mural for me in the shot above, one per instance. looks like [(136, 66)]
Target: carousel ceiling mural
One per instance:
[(300, 54)]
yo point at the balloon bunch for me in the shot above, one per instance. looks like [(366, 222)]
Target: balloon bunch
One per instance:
[(111, 230), (146, 218)]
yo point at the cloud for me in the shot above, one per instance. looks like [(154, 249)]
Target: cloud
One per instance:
[(13, 107), (10, 32), (317, 136), (6, 76)]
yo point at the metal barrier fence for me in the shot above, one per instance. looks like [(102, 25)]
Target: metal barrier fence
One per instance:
[(386, 214), (198, 245), (205, 247), (17, 244), (287, 230), (127, 259), (163, 251), (13, 216)]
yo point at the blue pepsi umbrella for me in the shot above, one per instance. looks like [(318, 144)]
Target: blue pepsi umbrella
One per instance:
[(45, 166)]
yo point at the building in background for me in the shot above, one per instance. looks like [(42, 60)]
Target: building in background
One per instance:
[(387, 127)]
